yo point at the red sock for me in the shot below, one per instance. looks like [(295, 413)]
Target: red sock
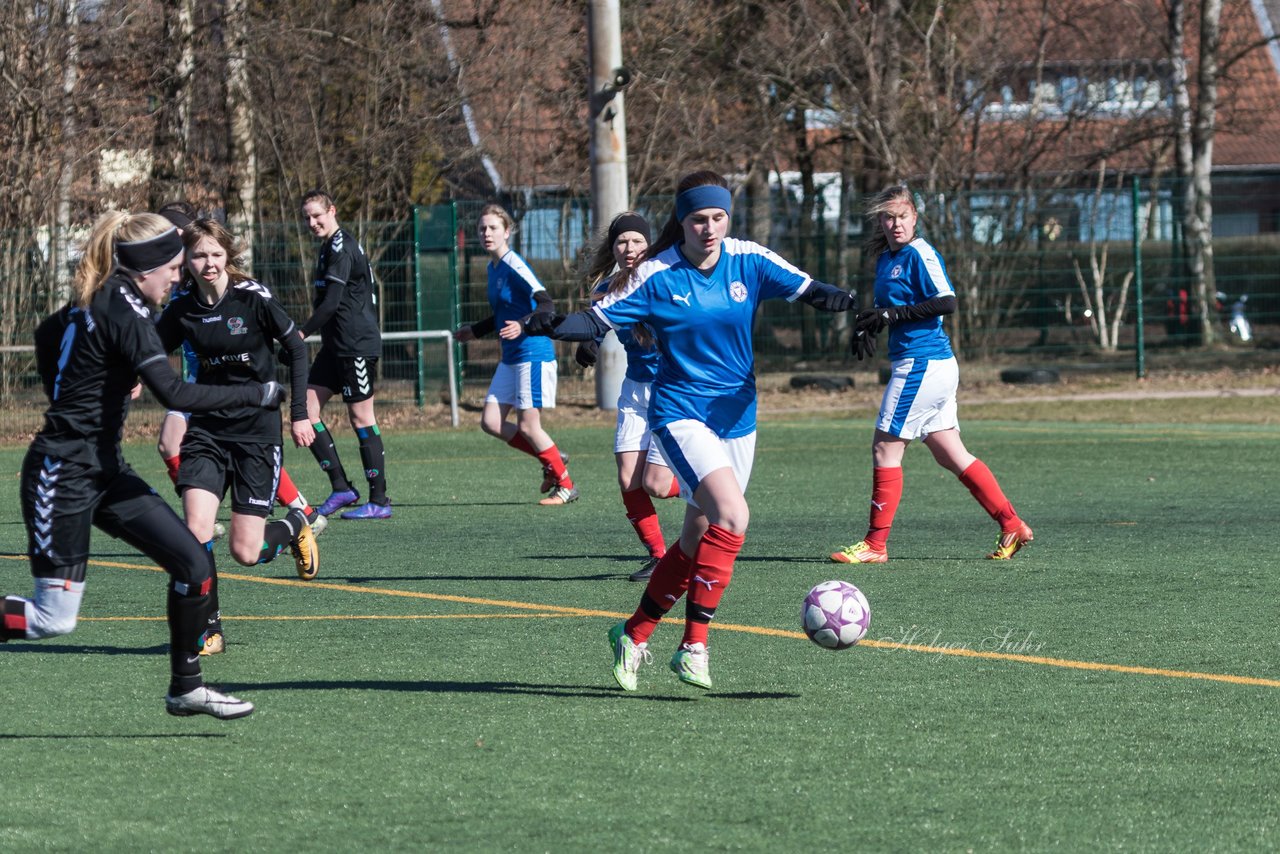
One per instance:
[(644, 519), (708, 578), (172, 464), (982, 483), (551, 462), (286, 492), (674, 491), (886, 494), (520, 443), (667, 584)]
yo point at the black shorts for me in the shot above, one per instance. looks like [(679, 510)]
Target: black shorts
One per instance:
[(62, 501), (352, 375), (251, 470)]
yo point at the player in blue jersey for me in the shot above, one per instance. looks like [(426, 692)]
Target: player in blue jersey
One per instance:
[(698, 291), (912, 293), (90, 354), (608, 271), (525, 380)]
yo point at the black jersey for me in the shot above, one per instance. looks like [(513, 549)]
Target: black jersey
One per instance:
[(232, 341), (344, 305), (89, 359)]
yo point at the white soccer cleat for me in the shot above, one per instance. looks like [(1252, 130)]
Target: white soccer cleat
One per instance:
[(206, 701)]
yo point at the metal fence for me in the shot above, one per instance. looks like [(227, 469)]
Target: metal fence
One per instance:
[(1048, 277)]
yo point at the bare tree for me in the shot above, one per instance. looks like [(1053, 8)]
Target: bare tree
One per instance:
[(242, 172), (1194, 127)]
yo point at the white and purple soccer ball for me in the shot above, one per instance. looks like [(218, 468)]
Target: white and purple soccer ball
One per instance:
[(835, 615)]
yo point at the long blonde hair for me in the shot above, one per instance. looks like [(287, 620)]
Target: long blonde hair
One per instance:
[(99, 259), (877, 242)]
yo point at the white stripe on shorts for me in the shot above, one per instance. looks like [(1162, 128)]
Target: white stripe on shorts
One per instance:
[(525, 385), (920, 398)]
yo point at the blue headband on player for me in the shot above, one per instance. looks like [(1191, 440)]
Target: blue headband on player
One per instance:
[(143, 256), (706, 196)]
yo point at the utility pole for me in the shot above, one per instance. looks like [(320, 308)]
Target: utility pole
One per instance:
[(608, 161)]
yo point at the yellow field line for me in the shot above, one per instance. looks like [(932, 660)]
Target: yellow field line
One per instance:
[(563, 611)]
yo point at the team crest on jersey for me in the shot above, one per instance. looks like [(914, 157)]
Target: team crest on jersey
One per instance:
[(896, 272), (738, 292), (235, 325)]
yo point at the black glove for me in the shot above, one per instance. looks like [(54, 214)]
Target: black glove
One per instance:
[(587, 353), (272, 395), (542, 323), (826, 297), (863, 344), (871, 321)]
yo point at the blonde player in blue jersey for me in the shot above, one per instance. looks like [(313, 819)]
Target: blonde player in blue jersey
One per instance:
[(912, 293), (698, 291), (526, 377)]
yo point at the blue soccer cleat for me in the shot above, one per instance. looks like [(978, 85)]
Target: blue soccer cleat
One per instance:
[(368, 511), (337, 500)]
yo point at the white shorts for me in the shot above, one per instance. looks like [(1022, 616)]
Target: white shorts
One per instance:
[(920, 398), (692, 452), (527, 385), (633, 418)]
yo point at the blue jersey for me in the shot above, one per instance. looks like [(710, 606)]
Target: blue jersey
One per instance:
[(642, 359), (702, 322), (511, 288), (911, 275)]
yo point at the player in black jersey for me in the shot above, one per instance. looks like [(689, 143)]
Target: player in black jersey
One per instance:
[(174, 427), (90, 354), (344, 312), (228, 322)]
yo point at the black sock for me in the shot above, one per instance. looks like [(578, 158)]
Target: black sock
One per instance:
[(279, 533), (374, 458), (188, 612), (326, 454)]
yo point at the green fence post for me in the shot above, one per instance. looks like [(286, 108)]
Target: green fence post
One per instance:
[(420, 375), (1139, 329)]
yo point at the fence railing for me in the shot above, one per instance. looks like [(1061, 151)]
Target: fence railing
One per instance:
[(1048, 276)]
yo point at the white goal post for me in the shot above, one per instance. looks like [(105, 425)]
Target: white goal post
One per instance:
[(427, 335)]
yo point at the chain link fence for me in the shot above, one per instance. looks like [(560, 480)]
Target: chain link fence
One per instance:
[(1047, 278)]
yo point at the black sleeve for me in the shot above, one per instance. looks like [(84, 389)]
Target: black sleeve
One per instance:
[(296, 354), (48, 347), (173, 393), (583, 325), (934, 307), (482, 328), (826, 297), (169, 329), (326, 309), (542, 301)]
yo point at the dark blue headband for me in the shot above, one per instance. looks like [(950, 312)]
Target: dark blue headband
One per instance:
[(706, 196), (143, 256)]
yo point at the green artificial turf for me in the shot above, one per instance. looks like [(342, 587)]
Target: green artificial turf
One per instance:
[(445, 681)]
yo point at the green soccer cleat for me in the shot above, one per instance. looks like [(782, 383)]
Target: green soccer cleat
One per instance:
[(627, 656), (692, 663)]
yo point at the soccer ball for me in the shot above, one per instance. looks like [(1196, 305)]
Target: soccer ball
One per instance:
[(835, 615)]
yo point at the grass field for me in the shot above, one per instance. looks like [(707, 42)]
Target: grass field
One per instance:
[(445, 681)]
